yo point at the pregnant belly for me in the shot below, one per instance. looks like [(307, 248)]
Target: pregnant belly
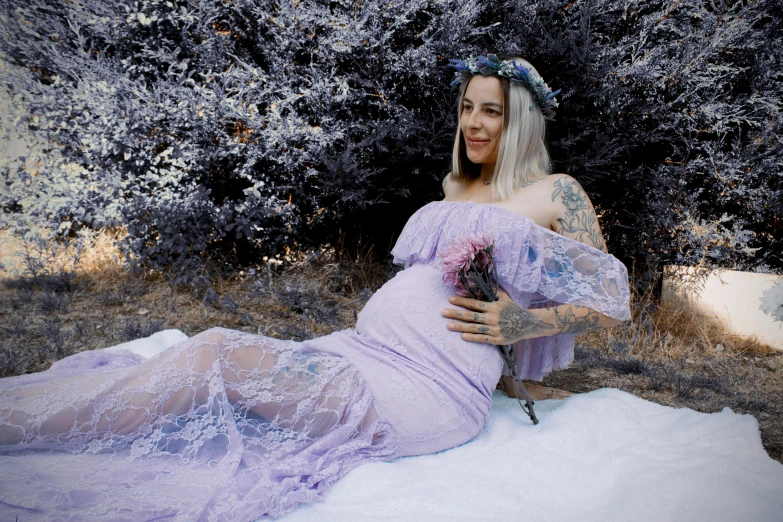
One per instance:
[(404, 317), (434, 388)]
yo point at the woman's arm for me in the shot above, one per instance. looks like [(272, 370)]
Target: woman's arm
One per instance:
[(573, 213), (504, 322)]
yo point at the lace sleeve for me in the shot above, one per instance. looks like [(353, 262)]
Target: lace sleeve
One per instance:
[(565, 271), (543, 268)]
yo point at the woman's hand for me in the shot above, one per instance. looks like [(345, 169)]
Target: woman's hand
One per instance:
[(501, 322)]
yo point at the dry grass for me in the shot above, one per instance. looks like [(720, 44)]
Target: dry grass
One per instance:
[(90, 299), (674, 330), (87, 298), (704, 333)]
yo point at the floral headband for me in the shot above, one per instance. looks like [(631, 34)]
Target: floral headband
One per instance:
[(489, 65)]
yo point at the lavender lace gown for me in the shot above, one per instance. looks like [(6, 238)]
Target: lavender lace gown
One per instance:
[(233, 426)]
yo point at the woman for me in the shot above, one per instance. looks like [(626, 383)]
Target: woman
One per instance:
[(234, 426), (521, 183)]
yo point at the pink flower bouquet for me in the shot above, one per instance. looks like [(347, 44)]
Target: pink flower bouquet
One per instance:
[(469, 265)]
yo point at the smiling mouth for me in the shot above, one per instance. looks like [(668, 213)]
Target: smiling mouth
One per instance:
[(474, 142)]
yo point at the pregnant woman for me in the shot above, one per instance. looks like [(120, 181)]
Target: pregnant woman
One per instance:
[(233, 426)]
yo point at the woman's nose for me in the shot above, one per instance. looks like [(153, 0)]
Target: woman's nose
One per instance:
[(474, 122)]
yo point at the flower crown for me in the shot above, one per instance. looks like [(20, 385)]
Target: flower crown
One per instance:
[(489, 65)]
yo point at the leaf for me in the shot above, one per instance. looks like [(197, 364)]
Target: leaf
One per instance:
[(566, 226)]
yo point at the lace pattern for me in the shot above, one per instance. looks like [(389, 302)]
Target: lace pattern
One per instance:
[(223, 426)]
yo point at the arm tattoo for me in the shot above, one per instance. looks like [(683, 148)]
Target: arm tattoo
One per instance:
[(569, 322), (580, 218), (518, 323)]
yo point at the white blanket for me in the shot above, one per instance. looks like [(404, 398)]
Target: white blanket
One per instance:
[(603, 456)]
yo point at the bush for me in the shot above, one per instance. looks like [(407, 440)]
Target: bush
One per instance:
[(243, 129)]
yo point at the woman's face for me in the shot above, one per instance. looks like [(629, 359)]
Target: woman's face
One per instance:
[(481, 119)]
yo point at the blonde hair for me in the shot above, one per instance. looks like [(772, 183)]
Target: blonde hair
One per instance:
[(522, 152)]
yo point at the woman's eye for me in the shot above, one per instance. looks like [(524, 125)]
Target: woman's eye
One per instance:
[(493, 112), (466, 107)]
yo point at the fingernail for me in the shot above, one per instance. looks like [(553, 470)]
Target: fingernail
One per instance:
[(451, 325), (452, 299), (443, 312)]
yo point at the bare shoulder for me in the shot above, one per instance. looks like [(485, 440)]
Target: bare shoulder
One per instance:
[(567, 194), (561, 180), (573, 212)]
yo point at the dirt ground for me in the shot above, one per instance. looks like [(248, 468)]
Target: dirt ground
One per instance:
[(665, 356)]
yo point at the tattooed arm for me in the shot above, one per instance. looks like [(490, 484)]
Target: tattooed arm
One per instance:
[(504, 322), (574, 215)]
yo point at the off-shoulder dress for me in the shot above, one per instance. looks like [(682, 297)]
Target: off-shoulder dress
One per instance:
[(233, 426)]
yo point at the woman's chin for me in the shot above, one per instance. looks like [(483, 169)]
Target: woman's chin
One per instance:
[(477, 158), (473, 154)]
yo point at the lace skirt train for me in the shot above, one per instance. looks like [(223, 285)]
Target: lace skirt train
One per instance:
[(223, 426)]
